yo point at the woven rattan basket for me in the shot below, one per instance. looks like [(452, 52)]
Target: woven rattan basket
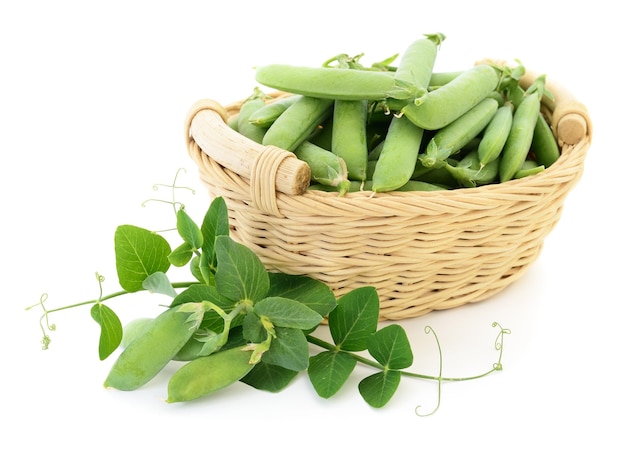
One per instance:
[(422, 251)]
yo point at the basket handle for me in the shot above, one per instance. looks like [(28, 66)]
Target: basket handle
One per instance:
[(268, 168), (571, 122)]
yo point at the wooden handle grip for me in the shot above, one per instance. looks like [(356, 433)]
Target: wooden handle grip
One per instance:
[(206, 126)]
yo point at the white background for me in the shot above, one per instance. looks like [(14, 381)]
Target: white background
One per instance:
[(93, 96)]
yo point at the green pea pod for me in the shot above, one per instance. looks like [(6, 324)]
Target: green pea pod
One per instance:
[(413, 185), (417, 62), (334, 83), (464, 176), (196, 345), (485, 174), (374, 154), (442, 106), (233, 122), (191, 350), (520, 138), (371, 165), (149, 353), (544, 143), (356, 186), (268, 113), (437, 175), (495, 135), (349, 137), (133, 329), (438, 79), (460, 132), (529, 167), (207, 374), (326, 167), (296, 124), (248, 107), (352, 186), (497, 95), (489, 173), (323, 135), (470, 173), (398, 156)]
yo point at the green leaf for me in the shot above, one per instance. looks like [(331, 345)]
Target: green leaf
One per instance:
[(111, 329), (253, 329), (188, 230), (214, 224), (311, 292), (138, 254), (390, 346), (355, 318), (196, 270), (289, 349), (328, 371), (378, 389), (287, 313), (181, 255), (197, 293), (159, 283), (267, 377), (206, 269), (240, 275)]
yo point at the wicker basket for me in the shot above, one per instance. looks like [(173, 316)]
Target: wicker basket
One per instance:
[(422, 251)]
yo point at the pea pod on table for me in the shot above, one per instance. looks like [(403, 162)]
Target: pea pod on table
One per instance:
[(207, 374), (150, 351), (133, 329)]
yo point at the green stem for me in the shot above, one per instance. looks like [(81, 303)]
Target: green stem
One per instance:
[(108, 297), (328, 346)]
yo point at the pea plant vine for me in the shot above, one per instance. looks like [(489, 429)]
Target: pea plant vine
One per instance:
[(235, 321)]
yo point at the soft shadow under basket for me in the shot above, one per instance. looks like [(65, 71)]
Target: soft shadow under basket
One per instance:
[(422, 251)]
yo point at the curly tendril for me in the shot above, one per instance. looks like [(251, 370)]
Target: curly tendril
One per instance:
[(45, 340), (497, 366), (100, 279), (429, 330), (174, 186), (499, 344)]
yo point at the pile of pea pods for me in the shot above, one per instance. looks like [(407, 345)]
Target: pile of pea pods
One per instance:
[(388, 128)]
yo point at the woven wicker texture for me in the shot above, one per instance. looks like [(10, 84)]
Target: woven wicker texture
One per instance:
[(422, 251)]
